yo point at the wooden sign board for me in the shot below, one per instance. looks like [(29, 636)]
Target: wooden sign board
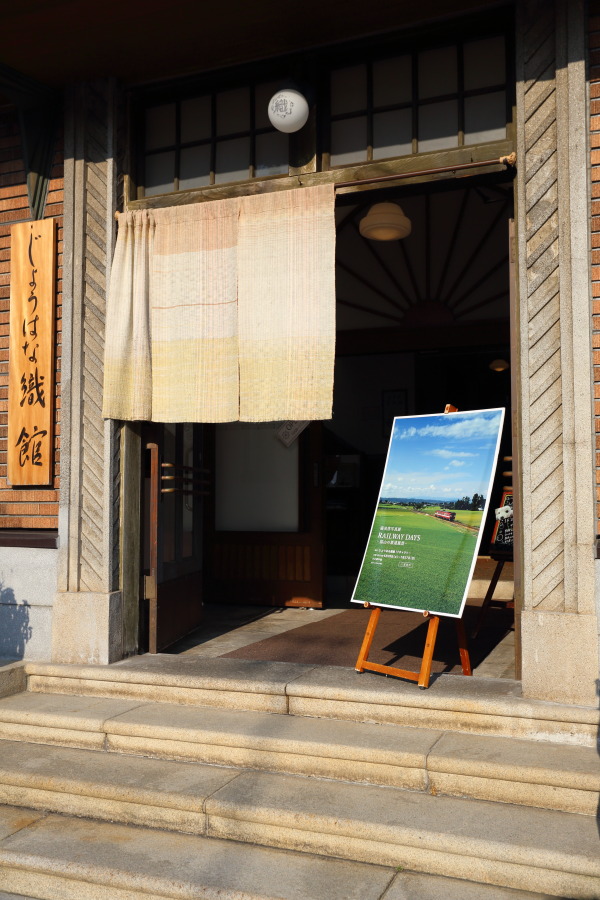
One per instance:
[(31, 353)]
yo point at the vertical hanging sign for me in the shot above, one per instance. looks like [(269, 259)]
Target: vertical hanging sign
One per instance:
[(31, 353)]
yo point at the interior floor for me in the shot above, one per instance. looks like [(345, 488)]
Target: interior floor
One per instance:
[(229, 628)]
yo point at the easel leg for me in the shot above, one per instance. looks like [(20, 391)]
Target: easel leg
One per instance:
[(463, 647), (432, 631), (368, 639), (488, 597)]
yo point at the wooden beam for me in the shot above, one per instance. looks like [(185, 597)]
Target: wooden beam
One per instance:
[(493, 333), (401, 166)]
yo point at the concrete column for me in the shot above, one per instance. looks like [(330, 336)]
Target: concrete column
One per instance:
[(87, 618), (559, 620)]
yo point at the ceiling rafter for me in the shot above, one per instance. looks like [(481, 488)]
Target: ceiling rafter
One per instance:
[(368, 284), (383, 265), (370, 310), (476, 251), (453, 240), (479, 282), (486, 302)]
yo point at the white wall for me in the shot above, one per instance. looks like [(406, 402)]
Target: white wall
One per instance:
[(27, 589)]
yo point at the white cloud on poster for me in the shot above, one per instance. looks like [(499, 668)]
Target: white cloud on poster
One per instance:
[(450, 454), (463, 429)]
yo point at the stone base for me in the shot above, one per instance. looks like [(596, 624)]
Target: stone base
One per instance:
[(560, 657), (87, 628)]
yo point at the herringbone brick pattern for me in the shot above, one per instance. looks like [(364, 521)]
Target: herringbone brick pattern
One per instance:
[(542, 314), (96, 470)]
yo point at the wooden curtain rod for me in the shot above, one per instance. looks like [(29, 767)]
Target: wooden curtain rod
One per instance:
[(508, 161)]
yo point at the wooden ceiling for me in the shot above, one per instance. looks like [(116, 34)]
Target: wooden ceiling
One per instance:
[(58, 41), (451, 272)]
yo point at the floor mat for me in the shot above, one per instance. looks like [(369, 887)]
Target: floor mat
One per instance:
[(399, 640)]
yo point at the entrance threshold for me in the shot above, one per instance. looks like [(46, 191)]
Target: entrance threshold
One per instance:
[(333, 636)]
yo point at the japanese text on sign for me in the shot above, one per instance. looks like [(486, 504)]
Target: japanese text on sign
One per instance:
[(31, 357)]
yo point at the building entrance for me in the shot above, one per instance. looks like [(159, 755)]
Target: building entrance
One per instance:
[(421, 322)]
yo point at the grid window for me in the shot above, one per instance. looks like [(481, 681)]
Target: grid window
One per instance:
[(425, 100), (217, 138)]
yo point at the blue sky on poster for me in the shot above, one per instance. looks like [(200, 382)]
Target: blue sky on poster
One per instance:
[(444, 456)]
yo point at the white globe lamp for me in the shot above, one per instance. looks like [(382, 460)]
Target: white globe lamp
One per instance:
[(288, 110)]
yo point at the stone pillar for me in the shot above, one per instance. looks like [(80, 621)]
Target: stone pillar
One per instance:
[(87, 619), (559, 617)]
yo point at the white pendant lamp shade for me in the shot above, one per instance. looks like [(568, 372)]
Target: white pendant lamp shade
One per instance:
[(288, 110), (385, 222)]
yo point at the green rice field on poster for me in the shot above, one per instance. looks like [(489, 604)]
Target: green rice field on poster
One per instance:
[(427, 526)]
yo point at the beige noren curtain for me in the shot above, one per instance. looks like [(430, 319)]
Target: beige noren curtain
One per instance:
[(224, 311)]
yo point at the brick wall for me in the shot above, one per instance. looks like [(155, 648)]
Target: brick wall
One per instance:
[(25, 507)]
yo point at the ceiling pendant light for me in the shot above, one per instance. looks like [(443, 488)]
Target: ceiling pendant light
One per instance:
[(385, 222)]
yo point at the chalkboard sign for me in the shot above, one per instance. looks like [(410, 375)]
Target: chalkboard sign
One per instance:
[(502, 536)]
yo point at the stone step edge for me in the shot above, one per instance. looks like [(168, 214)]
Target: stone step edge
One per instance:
[(62, 856), (40, 790), (489, 862), (434, 760), (407, 696), (429, 770)]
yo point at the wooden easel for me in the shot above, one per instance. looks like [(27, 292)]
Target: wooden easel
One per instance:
[(422, 677)]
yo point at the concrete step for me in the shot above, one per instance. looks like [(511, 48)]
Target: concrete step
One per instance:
[(54, 856), (532, 849), (530, 773), (476, 706), (195, 798)]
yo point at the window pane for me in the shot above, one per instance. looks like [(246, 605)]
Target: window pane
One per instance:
[(392, 133), (348, 141), (160, 126), (485, 117), (438, 126), (272, 154), (348, 89), (233, 111), (392, 81), (485, 63), (437, 72), (160, 173), (195, 119), (233, 160), (194, 167), (262, 95)]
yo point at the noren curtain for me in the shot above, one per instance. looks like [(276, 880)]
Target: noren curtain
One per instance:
[(224, 311)]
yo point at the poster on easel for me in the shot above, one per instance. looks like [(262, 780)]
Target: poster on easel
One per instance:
[(432, 506)]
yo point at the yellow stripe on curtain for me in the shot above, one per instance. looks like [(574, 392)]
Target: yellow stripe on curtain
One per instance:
[(224, 311), (286, 296)]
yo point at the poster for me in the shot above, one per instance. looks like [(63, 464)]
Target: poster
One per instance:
[(502, 536), (432, 505)]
